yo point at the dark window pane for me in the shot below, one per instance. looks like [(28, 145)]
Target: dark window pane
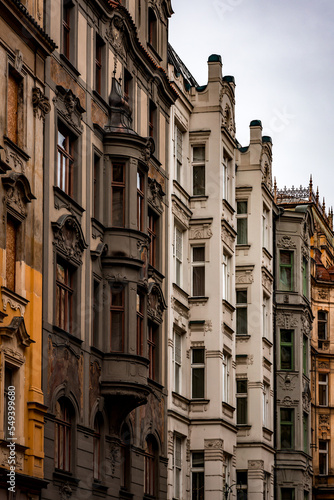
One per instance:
[(198, 356), (198, 281), (117, 331), (117, 173), (241, 410), (199, 154), (285, 257), (198, 382), (199, 180), (242, 321), (197, 486), (117, 207), (198, 254), (286, 336), (242, 231), (197, 459), (241, 386), (242, 207), (286, 358), (241, 296)]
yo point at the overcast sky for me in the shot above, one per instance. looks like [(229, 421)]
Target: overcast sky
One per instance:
[(281, 54)]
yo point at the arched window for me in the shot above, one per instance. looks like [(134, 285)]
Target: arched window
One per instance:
[(97, 446), (64, 424), (150, 466), (125, 457)]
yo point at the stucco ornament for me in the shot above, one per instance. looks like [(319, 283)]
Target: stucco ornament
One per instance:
[(286, 242), (155, 194), (68, 238), (116, 35), (65, 491), (68, 105), (18, 194), (40, 103)]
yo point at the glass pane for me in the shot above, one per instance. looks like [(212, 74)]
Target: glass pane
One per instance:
[(197, 459), (241, 207), (241, 410), (61, 140), (285, 257), (198, 154), (241, 296), (286, 357), (286, 336), (197, 486), (242, 231), (199, 281), (198, 382), (116, 331), (117, 298), (286, 436), (322, 395), (198, 254), (242, 321), (117, 172), (285, 278), (241, 386), (199, 180), (198, 356), (117, 206)]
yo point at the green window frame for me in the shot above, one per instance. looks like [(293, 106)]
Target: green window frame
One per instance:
[(305, 432), (286, 350), (286, 270), (287, 428)]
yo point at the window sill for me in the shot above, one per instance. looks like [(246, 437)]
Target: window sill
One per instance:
[(101, 100), (200, 300), (228, 409), (242, 246), (98, 486), (267, 253), (67, 201), (228, 305), (155, 384), (123, 494), (229, 207), (68, 335), (15, 300), (243, 427), (267, 342), (69, 65), (180, 188), (181, 290), (242, 336), (267, 431), (198, 197), (65, 476)]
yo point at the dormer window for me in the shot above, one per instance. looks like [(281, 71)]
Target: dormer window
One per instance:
[(152, 28)]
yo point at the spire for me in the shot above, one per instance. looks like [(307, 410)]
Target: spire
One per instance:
[(275, 190), (311, 188)]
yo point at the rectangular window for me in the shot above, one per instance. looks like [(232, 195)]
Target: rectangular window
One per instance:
[(197, 373), (225, 179), (177, 362), (118, 194), (140, 324), (323, 389), (128, 87), (67, 26), (11, 252), (198, 170), (226, 277), (65, 163), (117, 318), (140, 201), (152, 230), (241, 401), (177, 467), (226, 377), (197, 475), (152, 121), (63, 436), (152, 343), (305, 278), (286, 348), (287, 428), (305, 432), (198, 271), (323, 458), (14, 105), (265, 317), (242, 231), (266, 486), (64, 295), (322, 328), (241, 311), (287, 494), (265, 228), (178, 153), (285, 270), (241, 485), (96, 178), (266, 398), (305, 355), (178, 251), (99, 69)]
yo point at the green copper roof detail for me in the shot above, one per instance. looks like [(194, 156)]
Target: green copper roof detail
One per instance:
[(215, 58), (229, 78), (255, 123), (267, 138)]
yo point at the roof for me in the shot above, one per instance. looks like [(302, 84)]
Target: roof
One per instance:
[(180, 67)]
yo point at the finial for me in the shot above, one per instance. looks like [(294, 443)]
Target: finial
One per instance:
[(324, 206), (317, 195), (115, 68), (275, 190), (311, 188)]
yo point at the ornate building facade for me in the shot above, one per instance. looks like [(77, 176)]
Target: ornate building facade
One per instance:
[(104, 330), (24, 47)]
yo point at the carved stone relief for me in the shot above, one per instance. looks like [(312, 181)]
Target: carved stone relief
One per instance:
[(116, 35), (155, 194), (244, 277), (17, 194), (40, 103), (286, 320), (286, 242), (68, 237), (68, 105)]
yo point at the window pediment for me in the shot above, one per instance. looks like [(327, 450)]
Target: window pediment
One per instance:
[(156, 302), (17, 328), (69, 238), (155, 194), (69, 107), (18, 194)]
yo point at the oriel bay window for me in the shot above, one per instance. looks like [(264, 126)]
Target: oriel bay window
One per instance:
[(65, 161), (198, 271), (64, 295), (118, 194), (287, 351), (117, 317), (287, 428), (197, 373), (285, 270)]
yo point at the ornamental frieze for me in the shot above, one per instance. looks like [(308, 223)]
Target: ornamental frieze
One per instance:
[(286, 320), (286, 242)]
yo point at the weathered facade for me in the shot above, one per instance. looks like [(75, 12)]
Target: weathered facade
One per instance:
[(24, 47), (104, 333), (293, 326)]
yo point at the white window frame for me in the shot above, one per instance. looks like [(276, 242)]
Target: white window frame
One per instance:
[(197, 264), (198, 164), (266, 405), (178, 152), (226, 178), (178, 255), (177, 466), (177, 359), (226, 377), (266, 243), (226, 277)]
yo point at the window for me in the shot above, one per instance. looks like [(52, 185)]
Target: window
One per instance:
[(287, 428), (99, 69), (241, 484), (96, 178), (9, 382), (178, 153), (241, 401), (266, 407), (265, 317), (323, 458), (322, 328), (140, 323), (197, 372), (65, 164), (305, 277), (96, 309), (242, 236), (14, 106), (266, 486), (152, 121), (305, 432), (226, 277), (287, 362), (64, 295), (125, 457), (152, 341), (178, 251), (198, 271), (152, 28), (67, 33), (227, 469), (226, 377), (197, 475), (63, 434), (140, 200), (116, 318), (305, 355), (225, 179), (287, 494), (241, 311), (177, 362), (265, 228), (118, 194), (177, 459), (152, 230), (128, 87), (285, 270), (323, 389), (11, 252), (150, 466), (199, 170), (98, 424)]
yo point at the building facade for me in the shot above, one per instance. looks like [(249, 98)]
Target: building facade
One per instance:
[(105, 224), (24, 47)]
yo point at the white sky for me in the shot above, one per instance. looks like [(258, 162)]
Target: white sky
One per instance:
[(281, 53)]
